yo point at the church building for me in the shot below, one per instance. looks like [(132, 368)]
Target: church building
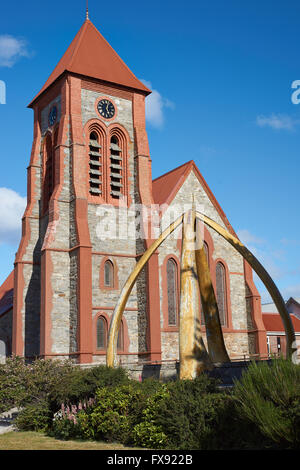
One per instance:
[(90, 154)]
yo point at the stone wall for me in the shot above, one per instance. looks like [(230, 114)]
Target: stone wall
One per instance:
[(237, 341)]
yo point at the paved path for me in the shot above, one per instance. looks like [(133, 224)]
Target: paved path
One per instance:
[(6, 420)]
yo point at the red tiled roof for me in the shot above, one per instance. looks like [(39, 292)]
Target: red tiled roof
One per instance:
[(165, 187), (273, 322), (90, 55), (6, 294)]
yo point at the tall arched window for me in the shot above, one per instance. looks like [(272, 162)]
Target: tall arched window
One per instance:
[(116, 168), (95, 165), (172, 292), (221, 292), (206, 252), (48, 171), (108, 274), (101, 333)]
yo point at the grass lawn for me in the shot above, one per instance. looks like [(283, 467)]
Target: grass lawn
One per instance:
[(39, 441)]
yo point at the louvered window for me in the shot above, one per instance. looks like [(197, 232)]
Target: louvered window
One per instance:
[(116, 167), (221, 292), (172, 292), (101, 333), (95, 165)]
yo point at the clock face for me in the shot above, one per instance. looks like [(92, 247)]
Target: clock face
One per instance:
[(106, 109), (52, 116)]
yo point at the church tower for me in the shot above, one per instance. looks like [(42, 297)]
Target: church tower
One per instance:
[(90, 151)]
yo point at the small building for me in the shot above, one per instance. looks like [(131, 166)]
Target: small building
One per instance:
[(276, 339)]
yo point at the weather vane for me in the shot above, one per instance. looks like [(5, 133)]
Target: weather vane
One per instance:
[(87, 9)]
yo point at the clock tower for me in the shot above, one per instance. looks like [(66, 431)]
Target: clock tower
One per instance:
[(89, 178), (90, 151)]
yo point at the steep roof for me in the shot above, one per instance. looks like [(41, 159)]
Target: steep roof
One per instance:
[(273, 322), (6, 294), (91, 55), (165, 188), (293, 300)]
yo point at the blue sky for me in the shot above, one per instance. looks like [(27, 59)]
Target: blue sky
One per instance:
[(221, 73)]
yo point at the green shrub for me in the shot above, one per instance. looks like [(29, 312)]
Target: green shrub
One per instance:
[(269, 397), (83, 383), (34, 417), (40, 387), (22, 384), (64, 429), (189, 414), (178, 415), (115, 413)]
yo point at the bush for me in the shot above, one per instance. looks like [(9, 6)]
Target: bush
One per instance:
[(188, 414), (269, 397), (34, 417), (179, 415), (22, 384), (83, 383), (40, 387), (114, 415)]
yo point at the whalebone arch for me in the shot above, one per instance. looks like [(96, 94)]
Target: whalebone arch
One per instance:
[(217, 343)]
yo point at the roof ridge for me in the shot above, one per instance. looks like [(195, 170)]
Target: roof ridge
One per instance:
[(80, 32), (115, 52), (78, 58), (174, 169)]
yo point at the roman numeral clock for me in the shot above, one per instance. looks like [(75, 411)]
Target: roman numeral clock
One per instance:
[(106, 109)]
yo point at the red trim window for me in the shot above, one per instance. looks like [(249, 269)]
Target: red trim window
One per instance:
[(95, 165), (172, 288), (108, 274), (221, 289)]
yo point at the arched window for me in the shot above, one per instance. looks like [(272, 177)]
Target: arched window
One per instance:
[(48, 171), (221, 292), (120, 342), (206, 252), (108, 274), (101, 333), (116, 168), (95, 165), (172, 292)]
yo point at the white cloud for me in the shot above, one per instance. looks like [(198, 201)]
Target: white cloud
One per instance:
[(291, 291), (12, 207), (277, 121), (155, 105), (246, 237), (262, 252), (11, 49)]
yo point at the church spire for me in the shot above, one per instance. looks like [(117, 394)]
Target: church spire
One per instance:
[(79, 59), (87, 10)]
